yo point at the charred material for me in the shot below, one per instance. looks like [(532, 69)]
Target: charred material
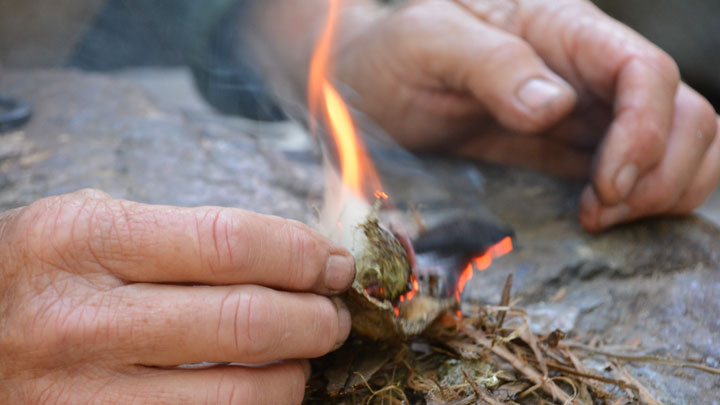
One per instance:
[(461, 236), (379, 299), (383, 266)]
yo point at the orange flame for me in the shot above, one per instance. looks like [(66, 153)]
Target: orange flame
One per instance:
[(481, 263), (358, 172)]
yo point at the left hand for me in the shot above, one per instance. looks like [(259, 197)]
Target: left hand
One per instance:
[(101, 298), (535, 83)]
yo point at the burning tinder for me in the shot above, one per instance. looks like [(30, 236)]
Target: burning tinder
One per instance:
[(384, 300)]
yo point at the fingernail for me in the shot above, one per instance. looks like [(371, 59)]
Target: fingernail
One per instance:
[(625, 180), (614, 215), (344, 322), (339, 273), (537, 93)]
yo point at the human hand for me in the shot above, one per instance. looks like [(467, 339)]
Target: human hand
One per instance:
[(549, 85), (102, 298)]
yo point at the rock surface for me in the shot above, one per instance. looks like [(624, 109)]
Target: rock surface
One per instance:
[(94, 131), (654, 285)]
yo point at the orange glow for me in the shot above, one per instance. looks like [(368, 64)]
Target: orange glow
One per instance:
[(324, 101), (503, 247), (408, 296), (381, 195), (481, 263), (465, 276), (415, 287), (345, 137)]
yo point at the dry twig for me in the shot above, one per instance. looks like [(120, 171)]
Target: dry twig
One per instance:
[(645, 358), (547, 385)]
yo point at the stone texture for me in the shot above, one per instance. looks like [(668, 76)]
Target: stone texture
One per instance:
[(93, 131), (655, 284)]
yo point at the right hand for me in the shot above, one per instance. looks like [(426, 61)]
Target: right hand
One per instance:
[(545, 84), (100, 299)]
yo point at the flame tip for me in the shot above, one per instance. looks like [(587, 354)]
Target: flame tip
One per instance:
[(482, 262)]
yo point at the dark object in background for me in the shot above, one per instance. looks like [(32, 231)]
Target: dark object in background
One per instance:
[(461, 236), (13, 113), (226, 78), (201, 35), (443, 251), (130, 33), (687, 30)]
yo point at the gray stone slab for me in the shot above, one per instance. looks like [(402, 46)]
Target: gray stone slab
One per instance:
[(655, 284)]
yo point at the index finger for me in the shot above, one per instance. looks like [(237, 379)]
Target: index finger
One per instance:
[(639, 80), (206, 245)]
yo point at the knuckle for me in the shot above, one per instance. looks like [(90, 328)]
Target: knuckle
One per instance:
[(498, 13), (650, 136), (663, 63), (326, 320), (228, 240), (296, 385), (226, 392), (254, 327), (663, 195), (66, 229), (509, 52), (303, 253), (49, 224), (217, 232)]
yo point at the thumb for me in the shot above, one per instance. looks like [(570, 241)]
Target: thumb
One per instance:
[(502, 72)]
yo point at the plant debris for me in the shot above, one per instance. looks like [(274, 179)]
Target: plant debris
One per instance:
[(482, 355)]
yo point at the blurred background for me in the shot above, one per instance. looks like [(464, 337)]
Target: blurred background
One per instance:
[(111, 35), (189, 54)]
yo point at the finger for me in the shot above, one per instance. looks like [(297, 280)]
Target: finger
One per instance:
[(282, 383), (638, 135), (636, 77), (589, 211), (705, 182), (208, 245), (171, 325), (659, 190), (524, 95)]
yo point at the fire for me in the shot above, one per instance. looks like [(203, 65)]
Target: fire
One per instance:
[(358, 173), (415, 287), (357, 170), (481, 263)]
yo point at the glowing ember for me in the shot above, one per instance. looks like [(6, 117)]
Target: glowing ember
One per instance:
[(381, 195), (481, 263), (415, 287)]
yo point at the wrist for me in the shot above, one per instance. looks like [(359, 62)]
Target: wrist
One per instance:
[(283, 36)]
